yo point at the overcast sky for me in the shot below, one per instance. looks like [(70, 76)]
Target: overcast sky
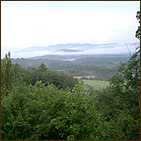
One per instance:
[(42, 23)]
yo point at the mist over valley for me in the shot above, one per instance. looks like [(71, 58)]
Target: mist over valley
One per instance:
[(75, 49)]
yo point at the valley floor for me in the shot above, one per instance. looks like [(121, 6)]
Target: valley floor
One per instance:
[(96, 84)]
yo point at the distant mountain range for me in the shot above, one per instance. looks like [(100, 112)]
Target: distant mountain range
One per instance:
[(77, 49), (69, 47)]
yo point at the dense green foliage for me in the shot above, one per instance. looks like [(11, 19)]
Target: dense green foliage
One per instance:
[(40, 104), (16, 75), (36, 112), (49, 77), (120, 103)]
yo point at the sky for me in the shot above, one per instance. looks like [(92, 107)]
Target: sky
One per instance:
[(43, 23)]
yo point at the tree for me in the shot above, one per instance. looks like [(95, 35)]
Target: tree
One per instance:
[(42, 67), (138, 30), (7, 72), (79, 120), (20, 73), (129, 74), (120, 103)]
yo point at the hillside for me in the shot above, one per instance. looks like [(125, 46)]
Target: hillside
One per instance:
[(102, 67), (72, 57), (109, 62)]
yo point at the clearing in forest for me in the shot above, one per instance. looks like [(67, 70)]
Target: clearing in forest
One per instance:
[(96, 84)]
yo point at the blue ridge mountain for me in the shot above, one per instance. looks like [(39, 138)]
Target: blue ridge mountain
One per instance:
[(70, 47), (75, 49)]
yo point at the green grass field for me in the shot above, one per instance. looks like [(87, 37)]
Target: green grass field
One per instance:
[(96, 84)]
